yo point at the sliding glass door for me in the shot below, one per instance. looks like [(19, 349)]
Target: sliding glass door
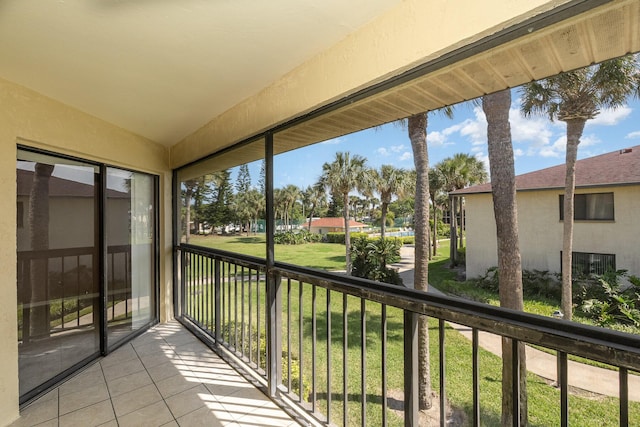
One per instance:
[(130, 240), (86, 237)]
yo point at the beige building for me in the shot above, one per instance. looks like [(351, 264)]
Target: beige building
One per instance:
[(607, 203), (149, 87)]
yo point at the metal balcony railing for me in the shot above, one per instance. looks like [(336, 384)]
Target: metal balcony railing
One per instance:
[(316, 339)]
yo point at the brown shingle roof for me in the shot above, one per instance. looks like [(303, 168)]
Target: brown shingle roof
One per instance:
[(615, 168), (335, 223)]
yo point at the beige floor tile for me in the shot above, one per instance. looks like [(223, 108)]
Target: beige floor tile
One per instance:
[(154, 347), (177, 384), (206, 417), (43, 409), (181, 339), (50, 423), (126, 384), (136, 399), (166, 370), (88, 378), (226, 386), (150, 360), (155, 414), (170, 424), (275, 419), (189, 400), (79, 399), (93, 415), (128, 367), (112, 423), (122, 354)]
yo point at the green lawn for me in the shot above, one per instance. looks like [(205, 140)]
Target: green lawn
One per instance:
[(325, 256), (543, 399)]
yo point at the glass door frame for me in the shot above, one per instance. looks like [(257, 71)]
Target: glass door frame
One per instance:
[(101, 243)]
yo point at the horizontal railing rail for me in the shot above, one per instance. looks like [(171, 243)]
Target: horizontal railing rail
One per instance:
[(319, 337), (71, 286)]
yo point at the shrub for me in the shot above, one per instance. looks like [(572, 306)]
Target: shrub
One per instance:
[(296, 237), (370, 259), (339, 237), (535, 283), (606, 302)]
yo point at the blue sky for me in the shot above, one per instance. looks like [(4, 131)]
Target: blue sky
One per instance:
[(538, 143)]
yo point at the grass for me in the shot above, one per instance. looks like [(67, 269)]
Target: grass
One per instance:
[(324, 256), (543, 399)]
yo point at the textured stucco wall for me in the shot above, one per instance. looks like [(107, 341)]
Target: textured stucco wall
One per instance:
[(412, 33), (34, 120), (540, 230)]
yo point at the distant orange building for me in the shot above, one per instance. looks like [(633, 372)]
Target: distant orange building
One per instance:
[(334, 225)]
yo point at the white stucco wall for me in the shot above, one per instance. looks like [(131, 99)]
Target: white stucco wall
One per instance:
[(540, 230)]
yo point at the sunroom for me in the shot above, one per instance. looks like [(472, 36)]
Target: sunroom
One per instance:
[(110, 109)]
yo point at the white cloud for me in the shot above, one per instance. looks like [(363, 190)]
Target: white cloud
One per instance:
[(610, 117), (382, 151), (406, 156), (535, 130), (589, 140), (517, 152), (397, 148), (556, 149), (333, 141), (633, 135)]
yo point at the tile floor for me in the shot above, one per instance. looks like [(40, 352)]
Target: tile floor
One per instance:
[(165, 377)]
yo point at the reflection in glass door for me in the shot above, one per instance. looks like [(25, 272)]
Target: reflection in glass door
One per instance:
[(80, 292), (130, 239), (58, 267)]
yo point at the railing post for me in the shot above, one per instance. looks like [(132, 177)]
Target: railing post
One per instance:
[(217, 302), (274, 336), (410, 369), (274, 293)]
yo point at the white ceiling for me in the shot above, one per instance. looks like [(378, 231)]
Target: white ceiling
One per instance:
[(164, 68)]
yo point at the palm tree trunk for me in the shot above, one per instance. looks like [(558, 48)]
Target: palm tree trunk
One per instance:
[(39, 232), (434, 236), (383, 219), (347, 235), (503, 187), (575, 128), (417, 127), (461, 233)]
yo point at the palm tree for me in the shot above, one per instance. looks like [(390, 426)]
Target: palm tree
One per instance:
[(436, 187), (256, 204), (575, 97), (278, 205), (390, 181), (345, 174), (460, 171), (503, 189), (190, 188), (316, 196), (417, 128), (290, 195)]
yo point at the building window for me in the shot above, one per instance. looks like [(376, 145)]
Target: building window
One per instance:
[(20, 218), (590, 207), (584, 263)]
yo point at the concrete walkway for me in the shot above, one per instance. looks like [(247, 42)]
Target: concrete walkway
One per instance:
[(589, 378)]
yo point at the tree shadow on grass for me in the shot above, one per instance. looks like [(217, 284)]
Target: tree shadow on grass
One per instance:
[(249, 239)]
